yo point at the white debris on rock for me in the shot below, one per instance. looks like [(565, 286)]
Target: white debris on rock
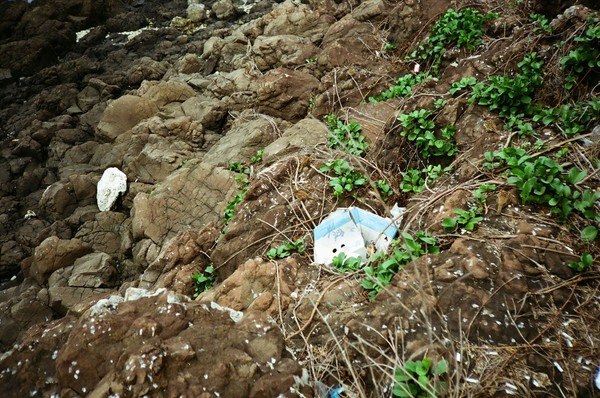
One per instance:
[(134, 293), (111, 185), (235, 316), (105, 305)]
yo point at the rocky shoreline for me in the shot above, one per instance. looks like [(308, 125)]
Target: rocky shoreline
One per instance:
[(104, 304)]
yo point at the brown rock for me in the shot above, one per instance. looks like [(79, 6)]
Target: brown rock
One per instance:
[(122, 114), (164, 92), (209, 112), (54, 253), (285, 93), (109, 232), (284, 50), (201, 193), (306, 133), (242, 141)]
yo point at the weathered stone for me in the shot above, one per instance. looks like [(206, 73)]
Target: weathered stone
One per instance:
[(224, 9), (59, 199), (285, 50), (146, 69), (285, 93), (87, 98), (164, 92), (93, 270), (122, 114), (150, 342), (109, 232), (242, 141), (299, 22), (306, 133), (257, 285), (190, 198), (54, 253), (209, 112), (348, 51), (186, 248), (157, 160)]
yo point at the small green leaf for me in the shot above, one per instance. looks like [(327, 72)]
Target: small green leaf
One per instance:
[(589, 233)]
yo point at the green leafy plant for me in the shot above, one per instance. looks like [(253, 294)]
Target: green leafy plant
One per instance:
[(585, 261), (230, 208), (465, 82), (462, 28), (414, 180), (420, 379), (390, 46), (480, 194), (439, 103), (511, 95), (382, 267), (286, 249), (204, 280), (419, 127), (587, 55), (346, 264), (402, 88), (542, 23), (542, 180), (465, 219), (257, 158), (384, 188), (572, 119), (348, 136), (311, 60), (589, 233), (346, 178)]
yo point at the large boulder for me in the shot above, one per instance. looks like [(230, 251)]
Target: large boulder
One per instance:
[(190, 198), (285, 93), (151, 342), (284, 50), (55, 253), (122, 114), (108, 232), (242, 141)]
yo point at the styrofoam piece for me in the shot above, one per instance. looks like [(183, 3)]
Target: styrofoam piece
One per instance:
[(397, 213), (112, 183), (350, 231)]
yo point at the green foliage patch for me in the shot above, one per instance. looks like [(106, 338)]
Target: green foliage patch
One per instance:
[(346, 135), (346, 178), (382, 267), (511, 95), (542, 180), (461, 28), (414, 180), (286, 249), (420, 379), (419, 127), (402, 88), (204, 280)]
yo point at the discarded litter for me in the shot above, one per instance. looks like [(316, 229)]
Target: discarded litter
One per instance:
[(112, 183), (352, 231)]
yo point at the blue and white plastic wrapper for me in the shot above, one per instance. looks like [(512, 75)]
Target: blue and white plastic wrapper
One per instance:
[(597, 378), (350, 231)]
